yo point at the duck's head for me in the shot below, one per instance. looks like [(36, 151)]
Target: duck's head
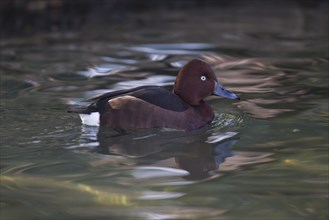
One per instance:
[(196, 80)]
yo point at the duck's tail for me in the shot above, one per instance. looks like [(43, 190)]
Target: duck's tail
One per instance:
[(88, 115), (82, 109)]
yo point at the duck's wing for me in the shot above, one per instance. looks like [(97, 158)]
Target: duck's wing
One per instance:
[(113, 94), (161, 97), (99, 99), (154, 95)]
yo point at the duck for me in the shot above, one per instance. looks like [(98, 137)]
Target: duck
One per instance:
[(182, 108)]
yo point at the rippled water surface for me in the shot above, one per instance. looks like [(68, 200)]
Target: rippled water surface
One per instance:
[(263, 156)]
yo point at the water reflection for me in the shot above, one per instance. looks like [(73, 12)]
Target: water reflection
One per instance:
[(170, 157), (170, 149), (203, 162)]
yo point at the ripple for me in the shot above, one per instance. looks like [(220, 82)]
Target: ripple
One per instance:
[(153, 195), (179, 63), (173, 49), (218, 137), (156, 172), (182, 46), (157, 57), (242, 159), (119, 60), (104, 70), (258, 111), (159, 80), (148, 212), (262, 86)]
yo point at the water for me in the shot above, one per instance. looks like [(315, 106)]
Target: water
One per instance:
[(263, 156)]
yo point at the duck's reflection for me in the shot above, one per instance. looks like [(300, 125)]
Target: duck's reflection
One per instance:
[(203, 161), (197, 153)]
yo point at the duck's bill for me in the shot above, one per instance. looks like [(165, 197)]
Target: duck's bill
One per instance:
[(221, 91)]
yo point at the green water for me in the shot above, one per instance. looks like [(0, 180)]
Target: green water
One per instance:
[(263, 157)]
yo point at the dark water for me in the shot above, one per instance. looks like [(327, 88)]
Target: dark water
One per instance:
[(265, 156)]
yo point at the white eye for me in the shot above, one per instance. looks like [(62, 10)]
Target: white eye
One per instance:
[(203, 78)]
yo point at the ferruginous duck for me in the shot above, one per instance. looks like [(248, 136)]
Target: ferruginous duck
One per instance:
[(183, 108)]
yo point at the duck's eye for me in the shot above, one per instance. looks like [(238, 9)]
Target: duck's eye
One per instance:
[(203, 78)]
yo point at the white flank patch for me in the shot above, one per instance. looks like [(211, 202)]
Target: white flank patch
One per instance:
[(91, 120)]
